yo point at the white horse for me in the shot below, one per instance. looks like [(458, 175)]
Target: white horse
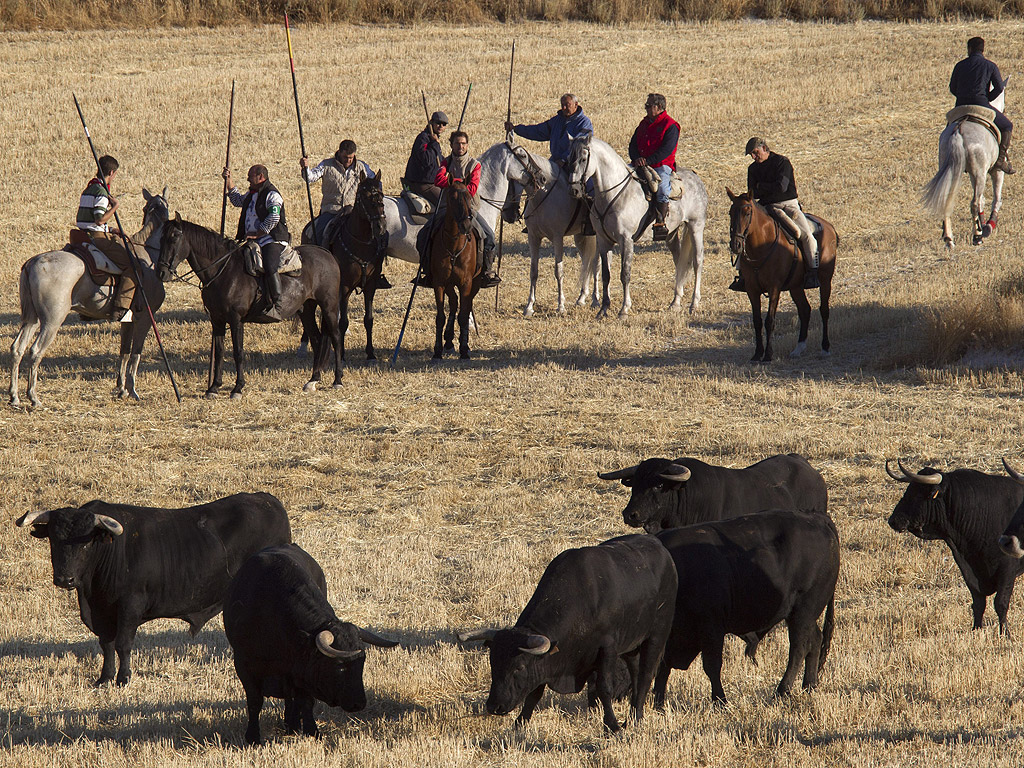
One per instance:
[(968, 147), (502, 166), (553, 213), (55, 283), (620, 204)]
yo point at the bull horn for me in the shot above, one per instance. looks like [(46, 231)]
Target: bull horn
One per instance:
[(33, 518), (324, 642), (675, 473), (893, 475), (926, 479), (477, 634), (112, 526), (374, 639), (537, 645), (619, 474), (1013, 473)]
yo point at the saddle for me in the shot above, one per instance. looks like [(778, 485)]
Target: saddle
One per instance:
[(291, 262), (419, 207), (973, 113), (101, 270)]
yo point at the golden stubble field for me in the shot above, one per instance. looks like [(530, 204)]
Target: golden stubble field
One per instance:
[(435, 495)]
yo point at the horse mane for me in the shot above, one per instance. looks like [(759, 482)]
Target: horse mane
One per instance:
[(204, 241)]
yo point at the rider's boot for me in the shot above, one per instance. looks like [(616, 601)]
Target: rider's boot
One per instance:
[(487, 277), (738, 284), (382, 282), (423, 279), (811, 264), (588, 225), (1003, 163), (660, 231), (274, 294)]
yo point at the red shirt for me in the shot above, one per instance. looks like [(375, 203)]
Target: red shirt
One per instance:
[(649, 137), (472, 183)]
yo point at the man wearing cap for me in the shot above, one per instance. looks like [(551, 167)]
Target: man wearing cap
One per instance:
[(770, 181), (976, 80), (426, 158)]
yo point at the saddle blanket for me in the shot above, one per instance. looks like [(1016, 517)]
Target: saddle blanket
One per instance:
[(290, 261), (975, 114)]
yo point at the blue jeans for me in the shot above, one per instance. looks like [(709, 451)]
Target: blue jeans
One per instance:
[(665, 187)]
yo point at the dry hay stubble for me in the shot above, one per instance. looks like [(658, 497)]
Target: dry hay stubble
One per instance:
[(428, 519)]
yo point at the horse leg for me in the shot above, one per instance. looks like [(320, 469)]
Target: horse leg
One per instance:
[(534, 242), (683, 261), (826, 294), (769, 324), (606, 278), (947, 233), (803, 310), (978, 207), (465, 310), (453, 316), (368, 295), (51, 319), (997, 203), (588, 269), (626, 244), (559, 248), (218, 330), (238, 349), (139, 332), (693, 258), (29, 328), (438, 322), (755, 308)]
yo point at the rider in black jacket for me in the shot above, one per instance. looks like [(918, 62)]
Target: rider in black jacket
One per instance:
[(976, 80)]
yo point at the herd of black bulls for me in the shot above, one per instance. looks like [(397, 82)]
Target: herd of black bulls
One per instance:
[(733, 551)]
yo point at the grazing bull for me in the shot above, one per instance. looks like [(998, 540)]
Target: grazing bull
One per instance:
[(593, 605), (288, 642), (131, 565), (743, 576), (669, 494), (968, 510)]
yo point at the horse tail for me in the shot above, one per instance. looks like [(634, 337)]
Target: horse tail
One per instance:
[(937, 195)]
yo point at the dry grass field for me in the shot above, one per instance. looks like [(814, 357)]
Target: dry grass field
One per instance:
[(434, 496)]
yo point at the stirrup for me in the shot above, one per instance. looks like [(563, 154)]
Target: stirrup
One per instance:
[(1003, 164), (489, 281), (382, 282), (738, 284), (422, 281), (273, 312), (659, 231)]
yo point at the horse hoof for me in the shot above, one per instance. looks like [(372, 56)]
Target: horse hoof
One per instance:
[(309, 387), (826, 353), (528, 312), (464, 356), (449, 346), (602, 314), (675, 306), (134, 395), (236, 395), (623, 314), (562, 312), (338, 385), (436, 359), (210, 394), (798, 349)]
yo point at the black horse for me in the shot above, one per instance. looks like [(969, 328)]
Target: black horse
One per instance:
[(359, 246), (229, 295)]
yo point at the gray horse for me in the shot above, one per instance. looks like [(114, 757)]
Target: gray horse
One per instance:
[(551, 213), (55, 283), (619, 205), (966, 147)]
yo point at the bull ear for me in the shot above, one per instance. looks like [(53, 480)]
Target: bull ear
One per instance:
[(373, 639), (109, 524)]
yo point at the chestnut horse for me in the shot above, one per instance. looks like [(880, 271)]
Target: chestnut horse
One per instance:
[(454, 269), (770, 263)]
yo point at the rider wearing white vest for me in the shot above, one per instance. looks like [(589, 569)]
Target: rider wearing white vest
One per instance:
[(339, 176)]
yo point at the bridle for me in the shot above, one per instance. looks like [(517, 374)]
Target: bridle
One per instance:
[(373, 198), (738, 239), (174, 228)]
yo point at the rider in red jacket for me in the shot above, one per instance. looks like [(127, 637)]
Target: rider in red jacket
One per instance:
[(654, 145)]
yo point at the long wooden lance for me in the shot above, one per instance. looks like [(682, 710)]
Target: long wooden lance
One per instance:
[(302, 141), (227, 160), (426, 111), (132, 260), (430, 224), (501, 214)]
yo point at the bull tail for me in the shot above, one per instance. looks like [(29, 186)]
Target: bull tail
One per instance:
[(938, 194), (826, 631)]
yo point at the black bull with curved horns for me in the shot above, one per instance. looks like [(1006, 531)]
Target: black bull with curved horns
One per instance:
[(130, 565)]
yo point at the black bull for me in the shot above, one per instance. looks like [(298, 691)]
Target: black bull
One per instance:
[(968, 510), (130, 565), (670, 493)]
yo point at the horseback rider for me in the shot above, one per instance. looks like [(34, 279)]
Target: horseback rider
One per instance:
[(262, 221), (654, 146), (559, 131), (425, 159), (976, 80), (341, 175), (460, 166), (771, 182), (96, 208)]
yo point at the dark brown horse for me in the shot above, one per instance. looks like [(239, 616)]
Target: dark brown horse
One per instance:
[(229, 295), (770, 262), (454, 269), (360, 246)]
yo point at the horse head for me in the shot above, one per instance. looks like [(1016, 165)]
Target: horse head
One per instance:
[(156, 210), (460, 208), (370, 202), (741, 214), (172, 249), (527, 174), (579, 165)]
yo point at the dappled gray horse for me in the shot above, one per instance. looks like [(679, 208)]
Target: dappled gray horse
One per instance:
[(55, 283), (551, 213), (620, 204), (966, 146)]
